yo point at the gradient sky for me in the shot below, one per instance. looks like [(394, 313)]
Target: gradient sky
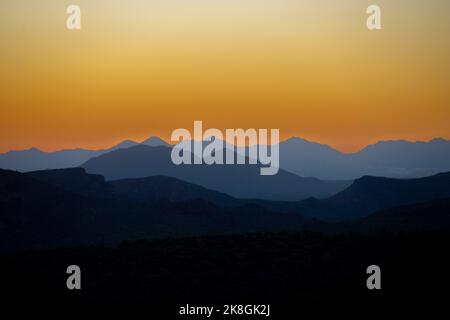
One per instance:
[(139, 68)]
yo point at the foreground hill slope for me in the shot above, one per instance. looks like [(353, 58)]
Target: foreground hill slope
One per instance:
[(65, 208), (49, 211), (370, 194)]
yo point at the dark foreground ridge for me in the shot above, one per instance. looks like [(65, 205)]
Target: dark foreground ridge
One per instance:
[(70, 208)]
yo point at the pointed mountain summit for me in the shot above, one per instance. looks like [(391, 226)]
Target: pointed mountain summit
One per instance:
[(155, 142), (298, 142), (311, 159), (123, 145)]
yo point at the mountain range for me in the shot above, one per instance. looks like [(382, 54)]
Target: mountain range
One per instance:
[(69, 207), (395, 159), (65, 208), (35, 159)]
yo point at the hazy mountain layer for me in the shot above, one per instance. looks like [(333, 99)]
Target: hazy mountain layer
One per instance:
[(241, 181), (397, 159)]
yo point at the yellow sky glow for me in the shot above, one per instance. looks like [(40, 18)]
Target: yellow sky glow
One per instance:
[(139, 68)]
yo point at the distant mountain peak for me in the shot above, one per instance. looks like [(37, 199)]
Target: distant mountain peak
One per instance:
[(397, 142), (125, 144), (439, 140), (27, 151), (306, 146), (155, 142), (370, 179), (297, 139)]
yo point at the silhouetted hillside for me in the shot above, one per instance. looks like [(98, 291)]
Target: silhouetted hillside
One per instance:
[(370, 194), (65, 208), (159, 188), (75, 180), (430, 215), (150, 189), (35, 213)]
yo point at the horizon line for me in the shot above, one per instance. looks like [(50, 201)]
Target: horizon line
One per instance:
[(172, 144)]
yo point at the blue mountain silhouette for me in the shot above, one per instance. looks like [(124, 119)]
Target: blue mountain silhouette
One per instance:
[(241, 181), (34, 159), (395, 159)]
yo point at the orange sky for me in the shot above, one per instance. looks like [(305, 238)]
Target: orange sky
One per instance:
[(139, 68)]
